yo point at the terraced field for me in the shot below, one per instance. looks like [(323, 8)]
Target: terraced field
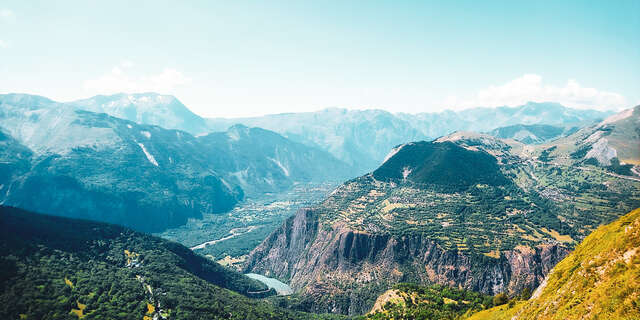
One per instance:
[(542, 202)]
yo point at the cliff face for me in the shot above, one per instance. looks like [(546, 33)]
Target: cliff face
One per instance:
[(341, 270)]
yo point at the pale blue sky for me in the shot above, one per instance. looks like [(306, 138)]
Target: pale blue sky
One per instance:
[(236, 58)]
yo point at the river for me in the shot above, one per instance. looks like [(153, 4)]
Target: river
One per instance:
[(280, 287)]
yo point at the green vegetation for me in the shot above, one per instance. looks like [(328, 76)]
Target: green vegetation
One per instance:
[(411, 301), (60, 268), (500, 299), (617, 167), (445, 164), (540, 203), (544, 155), (600, 279), (250, 222)]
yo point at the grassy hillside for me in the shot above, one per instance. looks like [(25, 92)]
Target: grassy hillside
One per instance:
[(599, 280), (411, 301), (60, 268)]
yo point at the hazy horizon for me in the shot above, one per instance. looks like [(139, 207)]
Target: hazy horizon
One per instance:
[(323, 108), (248, 59)]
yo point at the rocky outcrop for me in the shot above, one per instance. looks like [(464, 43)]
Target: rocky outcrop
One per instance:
[(602, 152), (342, 270)]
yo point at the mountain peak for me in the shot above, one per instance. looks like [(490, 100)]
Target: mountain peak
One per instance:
[(238, 131), (25, 99), (145, 100), (440, 163), (146, 108)]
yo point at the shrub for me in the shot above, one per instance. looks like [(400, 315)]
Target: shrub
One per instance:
[(500, 299)]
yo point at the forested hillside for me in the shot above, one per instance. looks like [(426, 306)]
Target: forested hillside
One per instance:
[(60, 268)]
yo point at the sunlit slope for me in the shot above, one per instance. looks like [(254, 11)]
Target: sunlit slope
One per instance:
[(411, 301), (613, 143), (599, 280)]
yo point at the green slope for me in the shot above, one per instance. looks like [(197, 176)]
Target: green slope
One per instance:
[(445, 164), (411, 301), (599, 280), (60, 268)]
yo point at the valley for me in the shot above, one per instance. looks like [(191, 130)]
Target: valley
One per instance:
[(90, 165), (447, 224), (228, 238), (319, 160), (232, 234)]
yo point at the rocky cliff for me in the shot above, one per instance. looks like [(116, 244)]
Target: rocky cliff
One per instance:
[(342, 270)]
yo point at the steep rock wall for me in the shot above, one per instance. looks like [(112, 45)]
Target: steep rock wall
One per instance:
[(342, 270)]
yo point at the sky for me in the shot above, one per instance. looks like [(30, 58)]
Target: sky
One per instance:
[(248, 58)]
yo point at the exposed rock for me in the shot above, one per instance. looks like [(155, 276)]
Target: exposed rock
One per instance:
[(602, 152), (329, 262)]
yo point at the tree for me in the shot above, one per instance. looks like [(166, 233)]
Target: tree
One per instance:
[(500, 299), (525, 294)]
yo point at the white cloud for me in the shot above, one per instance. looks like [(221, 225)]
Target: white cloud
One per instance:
[(7, 15), (4, 44), (530, 87), (120, 79)]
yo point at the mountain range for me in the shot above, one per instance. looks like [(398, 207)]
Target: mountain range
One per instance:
[(59, 158), (262, 161), (360, 138), (532, 133), (147, 108), (466, 210), (122, 153), (489, 214)]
